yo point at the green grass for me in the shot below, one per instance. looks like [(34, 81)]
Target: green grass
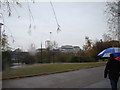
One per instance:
[(47, 68)]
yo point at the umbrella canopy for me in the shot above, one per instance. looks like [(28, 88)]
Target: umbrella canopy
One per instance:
[(117, 58), (107, 52)]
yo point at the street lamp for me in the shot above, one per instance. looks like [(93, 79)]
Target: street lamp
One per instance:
[(50, 35), (41, 53), (50, 41)]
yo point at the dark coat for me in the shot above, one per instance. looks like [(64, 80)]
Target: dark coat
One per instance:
[(112, 69)]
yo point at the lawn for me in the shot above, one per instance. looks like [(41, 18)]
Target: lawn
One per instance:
[(48, 68)]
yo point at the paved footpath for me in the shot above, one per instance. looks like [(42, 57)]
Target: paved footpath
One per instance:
[(85, 78)]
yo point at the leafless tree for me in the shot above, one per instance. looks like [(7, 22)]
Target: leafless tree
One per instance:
[(6, 8), (113, 18)]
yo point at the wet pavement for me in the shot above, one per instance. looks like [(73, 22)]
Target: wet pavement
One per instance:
[(85, 78), (102, 84)]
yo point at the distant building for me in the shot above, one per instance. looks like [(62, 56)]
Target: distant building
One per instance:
[(16, 55), (48, 44), (39, 49), (76, 49), (64, 48), (69, 49)]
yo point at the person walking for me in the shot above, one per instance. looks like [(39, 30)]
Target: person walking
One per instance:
[(112, 70)]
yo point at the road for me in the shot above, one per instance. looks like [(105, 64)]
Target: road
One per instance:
[(85, 78)]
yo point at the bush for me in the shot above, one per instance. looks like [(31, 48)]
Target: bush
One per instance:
[(75, 59), (28, 59), (6, 60), (88, 59)]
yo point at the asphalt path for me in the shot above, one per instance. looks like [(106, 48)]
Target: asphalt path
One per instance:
[(84, 78)]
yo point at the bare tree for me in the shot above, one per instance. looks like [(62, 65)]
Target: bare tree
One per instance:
[(6, 8), (106, 37), (88, 44), (8, 5), (113, 19), (4, 41)]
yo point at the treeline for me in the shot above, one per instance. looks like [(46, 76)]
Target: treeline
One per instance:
[(87, 54)]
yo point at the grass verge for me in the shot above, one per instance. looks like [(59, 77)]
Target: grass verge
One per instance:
[(47, 68)]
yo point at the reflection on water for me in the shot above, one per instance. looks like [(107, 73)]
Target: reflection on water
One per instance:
[(21, 65), (17, 66)]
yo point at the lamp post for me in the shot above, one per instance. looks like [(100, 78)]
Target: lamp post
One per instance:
[(50, 48), (50, 41), (50, 35), (41, 53)]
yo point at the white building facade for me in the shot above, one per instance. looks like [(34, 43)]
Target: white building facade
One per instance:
[(69, 49)]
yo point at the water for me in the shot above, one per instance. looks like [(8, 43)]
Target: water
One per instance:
[(23, 65), (17, 66)]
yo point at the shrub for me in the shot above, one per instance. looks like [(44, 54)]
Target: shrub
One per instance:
[(6, 60)]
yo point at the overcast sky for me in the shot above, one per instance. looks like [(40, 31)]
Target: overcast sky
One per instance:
[(77, 20)]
